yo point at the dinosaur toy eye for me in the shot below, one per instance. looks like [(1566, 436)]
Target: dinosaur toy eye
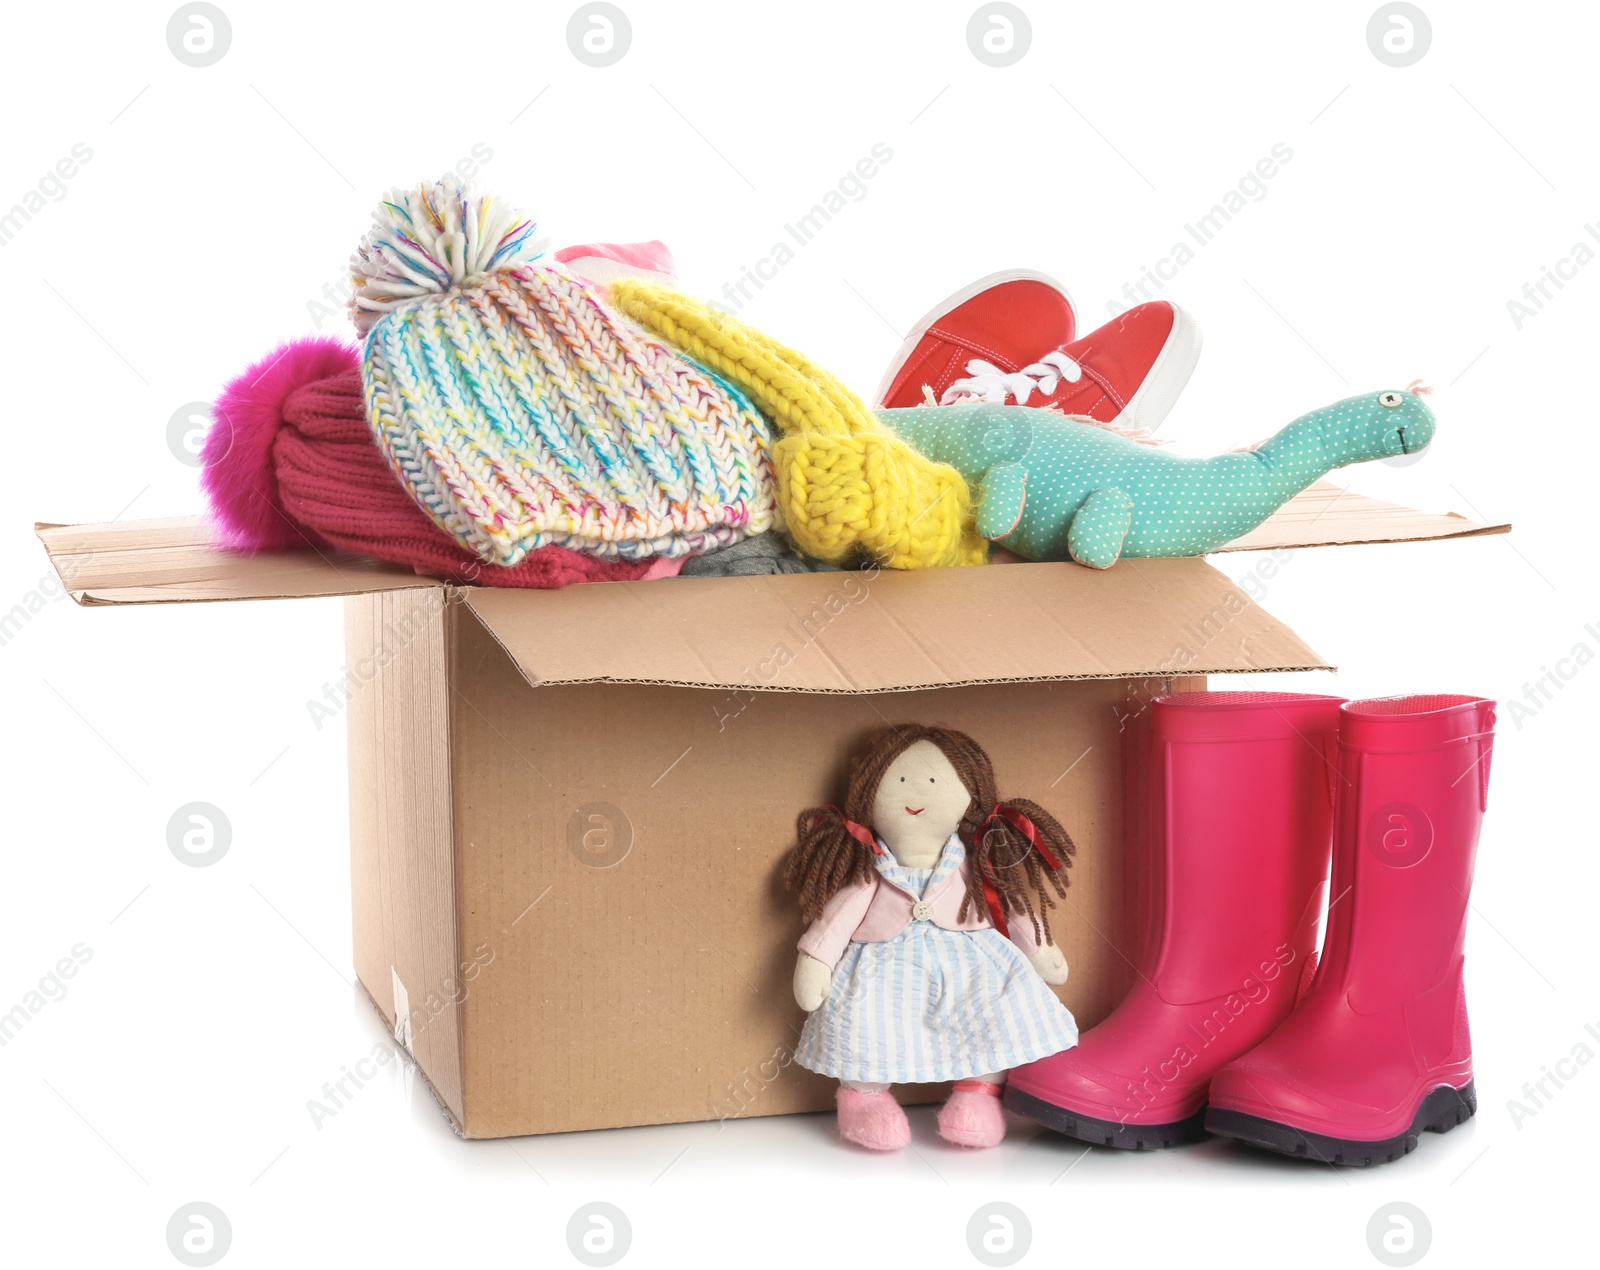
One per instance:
[(1390, 399)]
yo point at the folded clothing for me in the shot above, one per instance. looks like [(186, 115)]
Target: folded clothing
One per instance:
[(754, 557), (290, 461)]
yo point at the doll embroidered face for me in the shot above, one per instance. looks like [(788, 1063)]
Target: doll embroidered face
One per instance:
[(919, 804), (954, 786)]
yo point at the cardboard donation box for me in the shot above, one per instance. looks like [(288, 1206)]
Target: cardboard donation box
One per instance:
[(568, 808)]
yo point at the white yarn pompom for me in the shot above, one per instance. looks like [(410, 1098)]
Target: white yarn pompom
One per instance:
[(431, 239)]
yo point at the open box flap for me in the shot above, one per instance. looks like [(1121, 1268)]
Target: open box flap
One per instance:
[(885, 631), (1328, 515), (173, 561)]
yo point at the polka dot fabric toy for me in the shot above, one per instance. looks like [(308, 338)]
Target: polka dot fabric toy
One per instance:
[(1055, 487)]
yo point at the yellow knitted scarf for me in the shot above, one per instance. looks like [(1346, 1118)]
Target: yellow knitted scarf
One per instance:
[(848, 486)]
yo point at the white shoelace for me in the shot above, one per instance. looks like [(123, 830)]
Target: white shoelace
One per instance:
[(987, 382)]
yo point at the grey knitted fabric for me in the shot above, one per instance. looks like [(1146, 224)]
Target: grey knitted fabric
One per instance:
[(753, 557)]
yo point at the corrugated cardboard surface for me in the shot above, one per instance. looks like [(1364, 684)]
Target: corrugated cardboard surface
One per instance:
[(617, 850), (402, 864), (883, 631), (1328, 515), (568, 808), (173, 561)]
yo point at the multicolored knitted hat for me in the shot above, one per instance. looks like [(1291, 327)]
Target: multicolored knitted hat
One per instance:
[(520, 410), (290, 462)]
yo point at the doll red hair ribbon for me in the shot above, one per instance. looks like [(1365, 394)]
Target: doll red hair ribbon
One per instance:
[(856, 830), (1022, 825), (1030, 831)]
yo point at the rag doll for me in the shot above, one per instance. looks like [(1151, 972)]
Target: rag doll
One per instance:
[(927, 953)]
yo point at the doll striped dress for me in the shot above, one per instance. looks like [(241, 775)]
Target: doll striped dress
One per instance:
[(933, 1004)]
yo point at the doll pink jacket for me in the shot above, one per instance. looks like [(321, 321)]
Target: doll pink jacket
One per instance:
[(877, 910)]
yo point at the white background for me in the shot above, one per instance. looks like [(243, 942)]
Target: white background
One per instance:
[(221, 201)]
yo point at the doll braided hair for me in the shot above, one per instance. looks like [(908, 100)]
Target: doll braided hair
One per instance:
[(835, 850)]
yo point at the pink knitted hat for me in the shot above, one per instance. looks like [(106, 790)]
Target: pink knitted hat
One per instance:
[(290, 462)]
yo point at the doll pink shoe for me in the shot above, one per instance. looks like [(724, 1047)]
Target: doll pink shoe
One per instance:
[(1241, 817), (971, 1116), (873, 1120), (1380, 1050)]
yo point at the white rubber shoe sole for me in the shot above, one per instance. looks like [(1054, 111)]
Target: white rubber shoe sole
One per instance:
[(1169, 374)]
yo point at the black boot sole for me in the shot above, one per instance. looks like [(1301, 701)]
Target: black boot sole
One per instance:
[(1441, 1111), (1108, 1133)]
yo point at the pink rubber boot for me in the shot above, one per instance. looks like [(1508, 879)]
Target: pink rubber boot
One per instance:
[(971, 1116), (1241, 811), (1379, 1050), (871, 1118)]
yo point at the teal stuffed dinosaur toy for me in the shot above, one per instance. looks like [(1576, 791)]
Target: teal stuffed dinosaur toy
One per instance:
[(1051, 486)]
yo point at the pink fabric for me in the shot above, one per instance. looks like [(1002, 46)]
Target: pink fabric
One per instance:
[(664, 567), (238, 471), (605, 262), (871, 1119), (972, 1117), (877, 910), (290, 461)]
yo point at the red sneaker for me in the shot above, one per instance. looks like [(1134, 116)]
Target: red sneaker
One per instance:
[(1129, 373), (1005, 320)]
